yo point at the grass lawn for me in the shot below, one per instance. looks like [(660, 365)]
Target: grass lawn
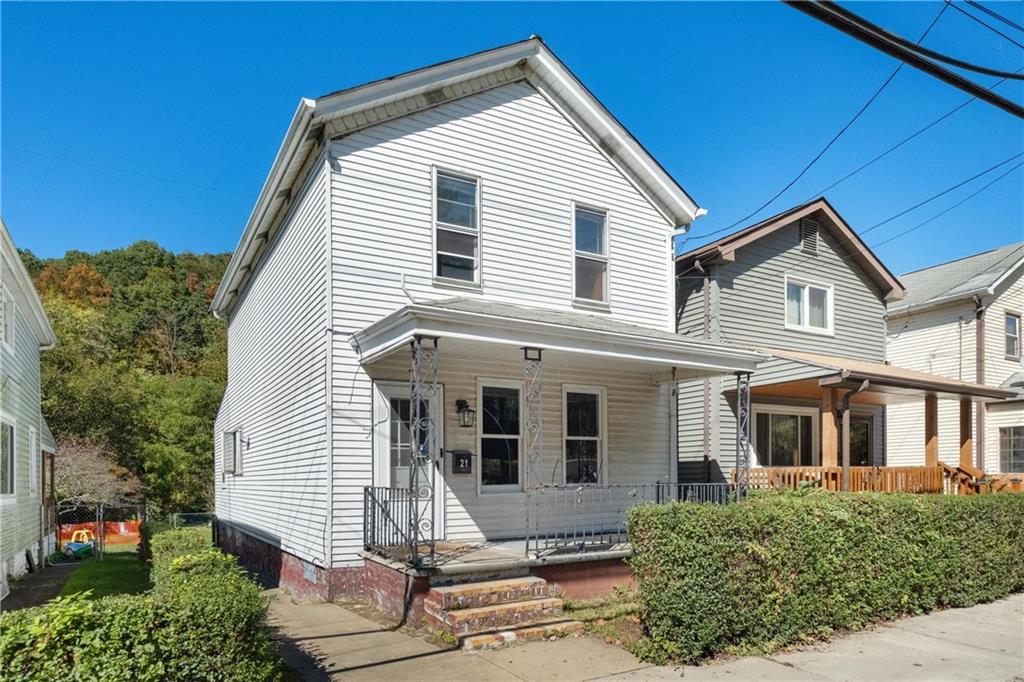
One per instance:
[(614, 618), (116, 573)]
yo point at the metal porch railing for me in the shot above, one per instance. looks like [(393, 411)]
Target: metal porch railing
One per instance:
[(386, 518)]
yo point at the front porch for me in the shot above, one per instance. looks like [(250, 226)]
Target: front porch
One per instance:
[(511, 437)]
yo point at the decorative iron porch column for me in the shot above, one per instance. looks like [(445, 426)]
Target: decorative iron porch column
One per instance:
[(533, 390), (422, 396), (742, 434)]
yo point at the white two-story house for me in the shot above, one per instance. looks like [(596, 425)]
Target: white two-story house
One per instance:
[(25, 332), (451, 328), (962, 320)]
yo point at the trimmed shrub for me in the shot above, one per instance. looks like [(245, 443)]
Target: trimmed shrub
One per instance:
[(166, 546), (203, 620), (784, 568)]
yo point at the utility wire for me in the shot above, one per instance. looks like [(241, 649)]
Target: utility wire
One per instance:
[(957, 204), (831, 142), (994, 15), (986, 25)]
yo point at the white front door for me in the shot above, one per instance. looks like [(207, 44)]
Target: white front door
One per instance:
[(393, 441)]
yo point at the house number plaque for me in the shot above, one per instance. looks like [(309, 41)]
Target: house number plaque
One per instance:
[(462, 462)]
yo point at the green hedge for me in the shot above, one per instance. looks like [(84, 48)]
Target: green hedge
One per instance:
[(781, 569), (203, 620), (166, 546)]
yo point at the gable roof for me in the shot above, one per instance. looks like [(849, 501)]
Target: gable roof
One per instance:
[(724, 249), (342, 111), (971, 276), (16, 278)]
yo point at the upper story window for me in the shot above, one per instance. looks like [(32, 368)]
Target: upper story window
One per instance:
[(808, 306), (456, 227), (232, 451), (591, 246), (1012, 336), (7, 321)]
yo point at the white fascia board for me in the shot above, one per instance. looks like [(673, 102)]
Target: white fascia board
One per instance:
[(396, 330), (261, 213), (1006, 275), (20, 284)]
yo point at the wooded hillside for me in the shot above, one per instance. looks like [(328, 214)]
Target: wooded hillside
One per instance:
[(140, 363)]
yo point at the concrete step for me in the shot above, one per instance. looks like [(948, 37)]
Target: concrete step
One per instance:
[(526, 633), (493, 617), (484, 593)]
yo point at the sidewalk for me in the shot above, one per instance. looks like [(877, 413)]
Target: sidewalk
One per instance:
[(326, 641), (33, 589)]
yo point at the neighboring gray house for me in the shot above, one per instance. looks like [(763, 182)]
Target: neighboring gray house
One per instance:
[(962, 320), (803, 288), (25, 332)]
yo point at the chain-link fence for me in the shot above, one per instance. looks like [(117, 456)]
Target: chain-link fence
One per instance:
[(91, 530)]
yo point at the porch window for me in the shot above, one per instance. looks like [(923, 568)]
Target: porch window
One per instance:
[(808, 306), (584, 433), (784, 438), (6, 458), (1011, 449), (591, 247), (499, 438), (456, 227), (1012, 336)]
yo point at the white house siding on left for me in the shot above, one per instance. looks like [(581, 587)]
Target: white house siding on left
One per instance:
[(276, 392), (532, 164)]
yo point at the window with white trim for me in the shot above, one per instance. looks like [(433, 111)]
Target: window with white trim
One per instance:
[(808, 306), (231, 445), (7, 448), (500, 447), (1012, 336), (591, 255), (34, 457), (8, 317), (456, 227), (1011, 449), (584, 445)]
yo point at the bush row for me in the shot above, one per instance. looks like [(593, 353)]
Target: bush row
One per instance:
[(784, 568), (204, 619)]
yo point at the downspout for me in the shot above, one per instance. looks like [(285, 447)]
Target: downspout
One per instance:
[(979, 377), (844, 410), (706, 335), (329, 377)]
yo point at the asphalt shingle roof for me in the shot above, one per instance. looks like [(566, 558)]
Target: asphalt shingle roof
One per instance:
[(958, 279)]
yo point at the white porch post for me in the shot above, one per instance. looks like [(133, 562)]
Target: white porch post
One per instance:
[(422, 394)]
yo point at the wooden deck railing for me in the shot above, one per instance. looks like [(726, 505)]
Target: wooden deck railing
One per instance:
[(862, 479)]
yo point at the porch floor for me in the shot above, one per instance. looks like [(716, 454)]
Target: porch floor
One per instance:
[(452, 558)]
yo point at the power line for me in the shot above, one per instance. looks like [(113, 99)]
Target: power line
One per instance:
[(957, 204), (126, 171), (994, 15), (835, 137), (986, 25)]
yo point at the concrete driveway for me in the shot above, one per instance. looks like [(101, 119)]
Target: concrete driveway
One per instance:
[(327, 641)]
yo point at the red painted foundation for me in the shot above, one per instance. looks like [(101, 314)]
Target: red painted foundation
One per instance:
[(587, 579)]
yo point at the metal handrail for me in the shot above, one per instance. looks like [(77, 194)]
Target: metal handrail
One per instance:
[(385, 518)]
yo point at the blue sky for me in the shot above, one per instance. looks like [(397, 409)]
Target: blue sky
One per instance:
[(732, 98)]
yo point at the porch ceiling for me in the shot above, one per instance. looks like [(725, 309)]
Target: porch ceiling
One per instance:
[(886, 384), (479, 328)]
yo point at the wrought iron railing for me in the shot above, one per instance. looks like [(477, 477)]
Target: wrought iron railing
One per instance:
[(585, 518), (386, 514)]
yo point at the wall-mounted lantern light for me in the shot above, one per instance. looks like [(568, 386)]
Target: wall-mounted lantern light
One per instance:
[(467, 415)]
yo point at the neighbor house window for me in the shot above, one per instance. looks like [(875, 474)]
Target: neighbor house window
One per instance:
[(33, 461), (6, 458), (7, 323), (785, 436), (232, 454), (591, 244), (808, 306), (456, 227), (1013, 336), (1011, 449), (584, 434), (499, 437)]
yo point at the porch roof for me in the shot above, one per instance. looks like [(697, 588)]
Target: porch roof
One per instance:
[(553, 330), (847, 373)]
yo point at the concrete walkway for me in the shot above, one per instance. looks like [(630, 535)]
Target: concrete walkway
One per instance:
[(33, 589), (327, 641)]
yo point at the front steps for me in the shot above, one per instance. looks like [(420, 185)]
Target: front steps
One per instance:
[(492, 613)]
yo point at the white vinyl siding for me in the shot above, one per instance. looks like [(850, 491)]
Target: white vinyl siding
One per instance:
[(276, 392), (533, 164)]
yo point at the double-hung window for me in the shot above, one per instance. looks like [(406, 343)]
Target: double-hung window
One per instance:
[(232, 451), (583, 407), (456, 227), (591, 255), (808, 306), (1011, 449), (1012, 336), (7, 321), (34, 457), (500, 455), (6, 458)]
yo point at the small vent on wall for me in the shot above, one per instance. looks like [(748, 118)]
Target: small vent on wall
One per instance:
[(809, 235)]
